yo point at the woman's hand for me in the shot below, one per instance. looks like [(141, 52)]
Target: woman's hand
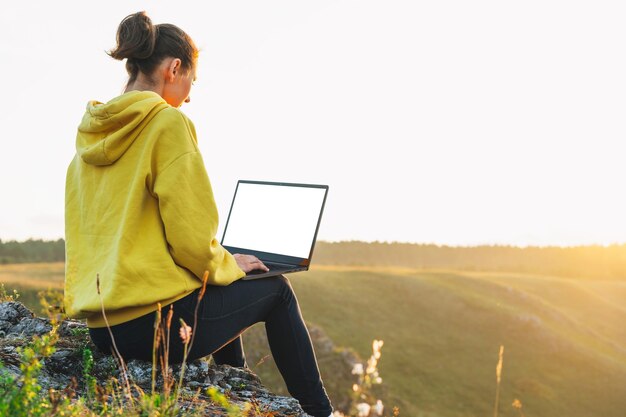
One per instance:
[(249, 263)]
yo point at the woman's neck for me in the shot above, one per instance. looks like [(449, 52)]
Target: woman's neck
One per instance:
[(143, 83)]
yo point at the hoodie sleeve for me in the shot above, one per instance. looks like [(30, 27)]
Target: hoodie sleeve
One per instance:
[(190, 218)]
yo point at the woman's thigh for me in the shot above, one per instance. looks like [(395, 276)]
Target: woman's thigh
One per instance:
[(133, 339), (225, 312)]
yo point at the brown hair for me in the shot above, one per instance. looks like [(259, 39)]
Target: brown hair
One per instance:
[(145, 45)]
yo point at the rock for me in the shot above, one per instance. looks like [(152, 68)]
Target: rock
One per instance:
[(18, 325), (14, 312), (11, 314), (30, 327)]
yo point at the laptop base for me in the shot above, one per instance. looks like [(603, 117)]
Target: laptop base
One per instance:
[(257, 273)]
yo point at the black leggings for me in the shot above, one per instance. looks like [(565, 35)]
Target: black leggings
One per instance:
[(224, 313)]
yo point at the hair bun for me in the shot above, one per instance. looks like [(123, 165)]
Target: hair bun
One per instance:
[(136, 37)]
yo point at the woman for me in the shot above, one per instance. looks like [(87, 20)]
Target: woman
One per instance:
[(141, 216)]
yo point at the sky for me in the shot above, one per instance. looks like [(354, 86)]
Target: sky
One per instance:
[(446, 122)]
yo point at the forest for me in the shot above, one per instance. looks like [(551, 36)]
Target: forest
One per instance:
[(32, 250)]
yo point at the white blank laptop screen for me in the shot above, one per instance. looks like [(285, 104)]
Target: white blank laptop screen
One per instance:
[(274, 218)]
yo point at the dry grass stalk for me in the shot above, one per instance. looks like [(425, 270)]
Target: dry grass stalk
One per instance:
[(155, 341), (205, 279), (187, 334), (498, 379), (117, 354)]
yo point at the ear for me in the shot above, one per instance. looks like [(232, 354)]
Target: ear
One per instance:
[(173, 69)]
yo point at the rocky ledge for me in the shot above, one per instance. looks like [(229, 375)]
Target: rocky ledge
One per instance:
[(65, 367)]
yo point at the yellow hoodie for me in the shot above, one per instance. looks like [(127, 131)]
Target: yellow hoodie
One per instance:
[(139, 212)]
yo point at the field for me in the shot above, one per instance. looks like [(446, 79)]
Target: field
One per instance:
[(29, 279), (564, 339)]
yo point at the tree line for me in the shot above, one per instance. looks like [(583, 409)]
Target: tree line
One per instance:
[(605, 262), (13, 252), (602, 262)]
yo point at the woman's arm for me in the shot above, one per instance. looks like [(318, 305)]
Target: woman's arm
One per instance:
[(190, 219)]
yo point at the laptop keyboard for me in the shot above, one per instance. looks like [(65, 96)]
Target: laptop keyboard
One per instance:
[(271, 266)]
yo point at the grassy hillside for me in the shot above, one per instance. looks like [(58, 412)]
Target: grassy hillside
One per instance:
[(564, 339)]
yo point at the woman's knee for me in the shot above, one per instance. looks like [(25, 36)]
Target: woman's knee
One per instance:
[(284, 286)]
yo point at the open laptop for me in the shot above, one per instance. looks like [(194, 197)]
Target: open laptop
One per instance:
[(277, 222)]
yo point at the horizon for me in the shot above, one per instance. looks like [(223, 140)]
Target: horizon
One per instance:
[(439, 245)]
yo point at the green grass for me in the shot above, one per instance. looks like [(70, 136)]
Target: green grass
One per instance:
[(564, 339)]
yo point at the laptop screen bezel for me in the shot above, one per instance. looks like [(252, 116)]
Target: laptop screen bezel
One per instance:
[(275, 257)]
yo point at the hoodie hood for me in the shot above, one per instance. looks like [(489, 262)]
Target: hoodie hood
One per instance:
[(109, 129)]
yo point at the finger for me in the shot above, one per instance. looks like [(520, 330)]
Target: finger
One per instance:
[(258, 264)]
